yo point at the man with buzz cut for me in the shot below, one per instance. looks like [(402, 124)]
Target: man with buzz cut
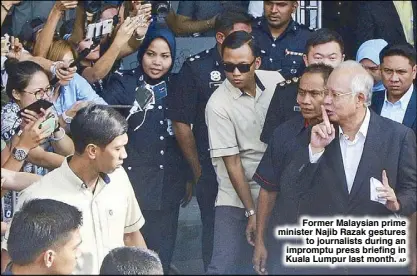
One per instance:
[(94, 181)]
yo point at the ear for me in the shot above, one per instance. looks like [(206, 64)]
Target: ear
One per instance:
[(91, 151), (16, 95), (49, 258), (305, 60), (294, 6), (258, 62), (414, 70), (361, 99), (220, 37)]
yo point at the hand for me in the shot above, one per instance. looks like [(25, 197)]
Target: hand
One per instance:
[(189, 187), (16, 48), (322, 134), (32, 135), (143, 13), (388, 193), (65, 73), (75, 107), (125, 32), (65, 5), (260, 256), (251, 230)]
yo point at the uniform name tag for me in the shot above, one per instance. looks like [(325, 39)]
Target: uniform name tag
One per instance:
[(160, 90)]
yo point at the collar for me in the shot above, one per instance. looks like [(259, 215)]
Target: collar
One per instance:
[(364, 127), (73, 178), (237, 93), (216, 56), (405, 99), (292, 26)]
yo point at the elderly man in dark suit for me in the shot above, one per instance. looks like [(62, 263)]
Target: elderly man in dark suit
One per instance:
[(398, 71), (389, 20), (334, 172)]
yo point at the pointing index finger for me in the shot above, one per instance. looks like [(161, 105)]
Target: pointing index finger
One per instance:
[(326, 120)]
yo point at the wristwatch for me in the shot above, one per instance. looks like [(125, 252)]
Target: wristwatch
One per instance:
[(66, 118), (19, 154), (249, 213)]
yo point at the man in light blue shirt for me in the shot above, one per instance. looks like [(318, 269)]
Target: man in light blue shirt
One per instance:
[(398, 71)]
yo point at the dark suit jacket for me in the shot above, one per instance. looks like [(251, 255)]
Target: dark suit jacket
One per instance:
[(410, 113), (379, 19)]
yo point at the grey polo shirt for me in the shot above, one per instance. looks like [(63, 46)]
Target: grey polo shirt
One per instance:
[(235, 121)]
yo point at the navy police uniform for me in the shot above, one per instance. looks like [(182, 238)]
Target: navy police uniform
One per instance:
[(285, 53), (283, 107), (198, 78), (154, 163)]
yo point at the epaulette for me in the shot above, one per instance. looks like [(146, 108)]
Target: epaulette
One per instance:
[(289, 81), (199, 56)]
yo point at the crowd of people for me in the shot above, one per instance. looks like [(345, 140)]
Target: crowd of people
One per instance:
[(274, 122)]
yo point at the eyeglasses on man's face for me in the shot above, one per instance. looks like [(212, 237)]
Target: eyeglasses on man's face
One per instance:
[(335, 94), (242, 67)]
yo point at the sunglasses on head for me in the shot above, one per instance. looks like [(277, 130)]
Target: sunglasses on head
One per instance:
[(242, 67)]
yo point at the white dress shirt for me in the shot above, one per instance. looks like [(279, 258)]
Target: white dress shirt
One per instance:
[(351, 150), (396, 111)]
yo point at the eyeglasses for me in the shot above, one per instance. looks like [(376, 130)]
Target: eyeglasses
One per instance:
[(41, 92), (313, 93), (335, 94), (243, 67)]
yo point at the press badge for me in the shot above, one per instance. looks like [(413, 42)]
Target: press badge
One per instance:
[(160, 90)]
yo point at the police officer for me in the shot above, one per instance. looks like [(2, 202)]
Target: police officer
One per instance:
[(324, 46), (281, 39), (154, 164), (197, 80)]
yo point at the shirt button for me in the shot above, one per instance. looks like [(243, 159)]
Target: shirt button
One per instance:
[(273, 45), (129, 168), (270, 59), (160, 107), (111, 212), (162, 152), (293, 71), (161, 138), (161, 122), (161, 167), (338, 13), (294, 62)]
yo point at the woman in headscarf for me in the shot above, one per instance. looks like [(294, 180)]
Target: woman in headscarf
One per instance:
[(154, 164), (368, 56)]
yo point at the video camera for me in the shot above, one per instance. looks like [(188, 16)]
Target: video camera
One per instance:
[(159, 8)]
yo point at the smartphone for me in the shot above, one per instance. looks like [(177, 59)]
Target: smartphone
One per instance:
[(99, 29), (90, 30), (107, 26), (49, 123), (5, 44), (36, 106), (144, 97)]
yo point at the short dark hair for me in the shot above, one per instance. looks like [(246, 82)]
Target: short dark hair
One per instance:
[(20, 74), (237, 39), (131, 261), (98, 125), (322, 36), (225, 21), (319, 68), (39, 225), (405, 50)]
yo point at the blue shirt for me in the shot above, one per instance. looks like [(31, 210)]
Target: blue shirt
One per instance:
[(285, 53), (78, 89)]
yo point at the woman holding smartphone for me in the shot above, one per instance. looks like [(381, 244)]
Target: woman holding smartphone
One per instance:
[(154, 161)]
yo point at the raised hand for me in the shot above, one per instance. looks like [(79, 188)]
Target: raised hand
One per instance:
[(388, 193), (322, 134), (66, 5), (143, 13)]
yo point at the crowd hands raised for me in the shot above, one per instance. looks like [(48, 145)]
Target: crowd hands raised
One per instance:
[(307, 103)]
